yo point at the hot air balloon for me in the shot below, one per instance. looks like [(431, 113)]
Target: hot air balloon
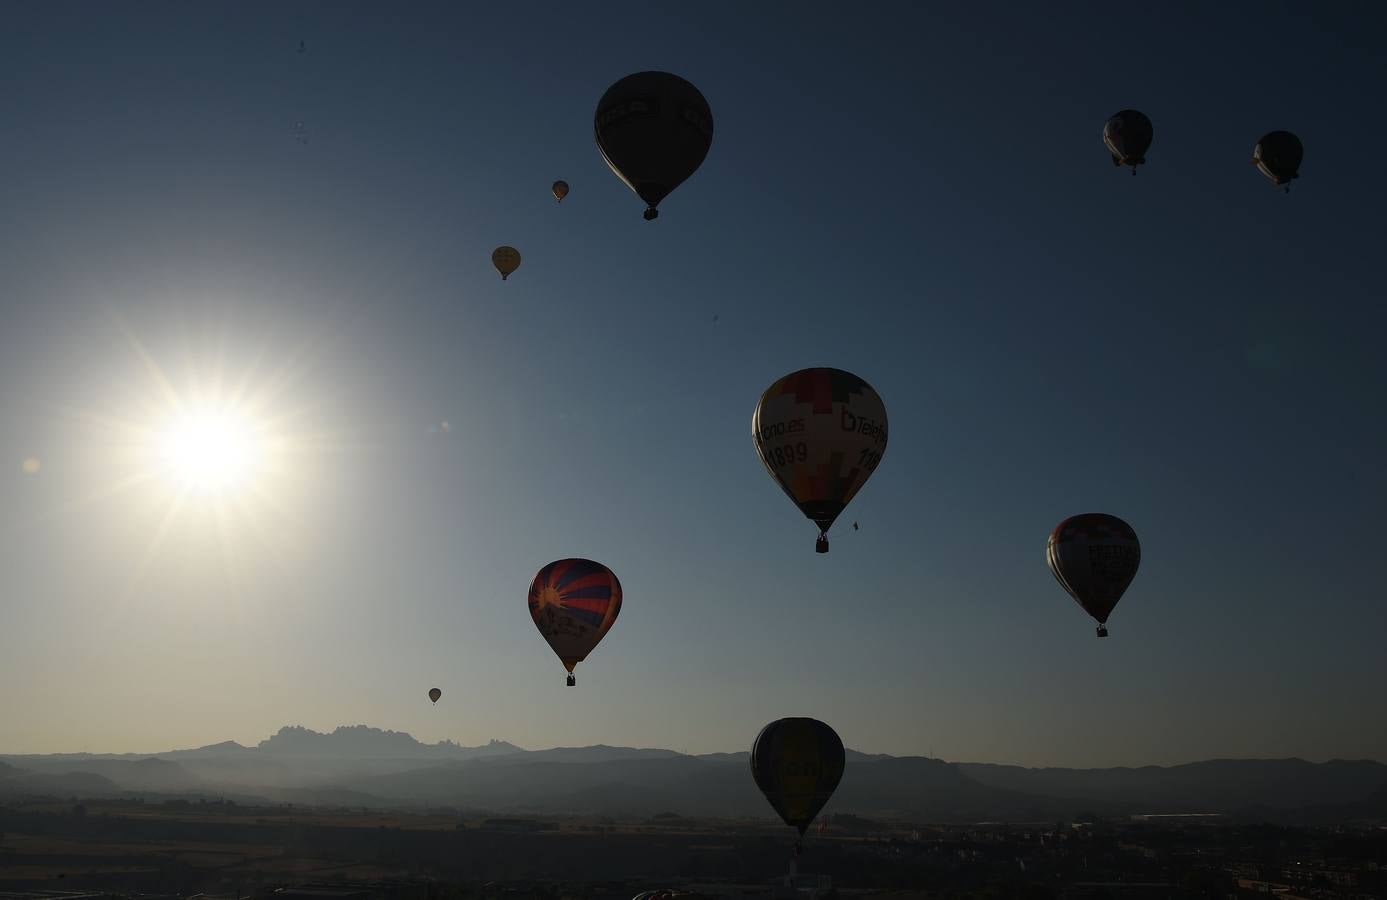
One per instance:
[(653, 129), (560, 190), (1128, 136), (1278, 156), (574, 603), (434, 694), (506, 260), (821, 434), (797, 764), (1094, 557)]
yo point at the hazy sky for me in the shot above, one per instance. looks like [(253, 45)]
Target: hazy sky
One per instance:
[(917, 193)]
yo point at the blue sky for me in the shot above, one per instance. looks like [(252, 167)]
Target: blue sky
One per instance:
[(915, 194)]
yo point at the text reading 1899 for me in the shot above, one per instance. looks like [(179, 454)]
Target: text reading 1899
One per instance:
[(787, 454)]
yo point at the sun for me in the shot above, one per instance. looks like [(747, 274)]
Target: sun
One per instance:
[(212, 452), (210, 449)]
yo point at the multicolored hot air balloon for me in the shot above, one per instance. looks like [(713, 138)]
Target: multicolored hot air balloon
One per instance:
[(434, 694), (574, 603), (1278, 156), (821, 434), (797, 763), (560, 190), (1128, 136), (654, 130), (1094, 557), (506, 260)]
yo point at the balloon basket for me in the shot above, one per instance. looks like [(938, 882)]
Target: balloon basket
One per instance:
[(572, 680), (821, 545), (651, 213), (1102, 631)]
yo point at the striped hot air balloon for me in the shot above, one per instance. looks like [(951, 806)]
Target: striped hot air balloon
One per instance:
[(574, 603)]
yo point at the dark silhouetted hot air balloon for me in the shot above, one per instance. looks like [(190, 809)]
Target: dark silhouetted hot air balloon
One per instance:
[(797, 764), (821, 434), (1278, 156), (574, 603), (506, 260), (560, 190), (1128, 136), (1094, 557), (434, 694), (653, 129)]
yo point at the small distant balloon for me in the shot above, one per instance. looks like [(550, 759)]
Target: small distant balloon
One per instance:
[(434, 694), (506, 260), (1127, 135), (560, 190), (1278, 156), (31, 466)]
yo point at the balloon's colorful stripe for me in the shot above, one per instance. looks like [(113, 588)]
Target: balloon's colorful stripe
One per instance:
[(820, 387)]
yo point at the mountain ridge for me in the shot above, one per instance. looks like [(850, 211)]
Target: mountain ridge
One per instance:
[(359, 765)]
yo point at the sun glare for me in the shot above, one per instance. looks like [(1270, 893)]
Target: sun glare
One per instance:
[(210, 450), (213, 456)]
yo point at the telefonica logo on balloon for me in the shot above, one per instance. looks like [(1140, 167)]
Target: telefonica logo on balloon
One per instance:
[(864, 425)]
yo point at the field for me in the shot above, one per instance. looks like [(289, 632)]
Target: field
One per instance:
[(225, 848)]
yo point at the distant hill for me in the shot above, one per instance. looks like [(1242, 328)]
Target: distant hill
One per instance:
[(645, 786), (594, 754), (364, 742), (1220, 785), (17, 782), (152, 774), (225, 747)]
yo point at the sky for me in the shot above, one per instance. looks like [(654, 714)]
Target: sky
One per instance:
[(193, 215)]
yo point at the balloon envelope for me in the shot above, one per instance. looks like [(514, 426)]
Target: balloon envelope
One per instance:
[(574, 603), (1278, 156), (654, 130), (1128, 136), (506, 260), (797, 763), (560, 190), (434, 694), (1094, 557), (821, 434)]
